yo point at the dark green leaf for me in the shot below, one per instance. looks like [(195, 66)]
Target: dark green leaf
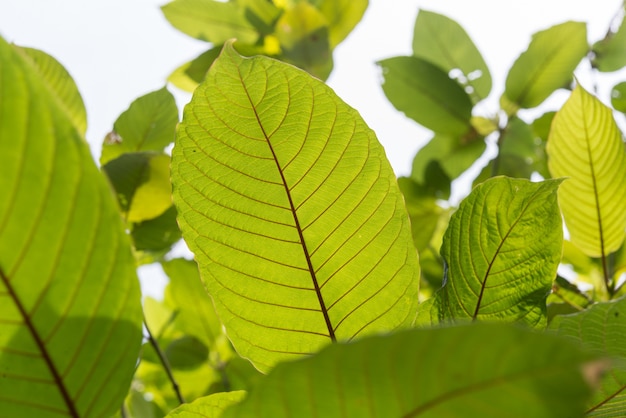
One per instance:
[(189, 75), (618, 97), (610, 52), (484, 370), (156, 235), (443, 42), (187, 353), (427, 95)]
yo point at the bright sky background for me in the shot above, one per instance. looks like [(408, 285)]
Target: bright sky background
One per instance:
[(118, 50)]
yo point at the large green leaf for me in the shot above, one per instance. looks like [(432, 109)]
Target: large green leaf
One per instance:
[(545, 66), (602, 328), (443, 42), (585, 145), (210, 20), (62, 86), (70, 313), (292, 210), (426, 94), (149, 124), (483, 370), (502, 249)]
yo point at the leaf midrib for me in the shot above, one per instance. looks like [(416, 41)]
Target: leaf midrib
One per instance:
[(307, 256), (41, 346)]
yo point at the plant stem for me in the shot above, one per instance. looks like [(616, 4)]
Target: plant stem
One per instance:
[(164, 362)]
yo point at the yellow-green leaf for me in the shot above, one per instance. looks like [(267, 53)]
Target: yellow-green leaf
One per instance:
[(70, 312), (545, 66), (292, 211), (585, 145)]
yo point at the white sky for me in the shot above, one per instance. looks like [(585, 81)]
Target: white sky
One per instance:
[(118, 50)]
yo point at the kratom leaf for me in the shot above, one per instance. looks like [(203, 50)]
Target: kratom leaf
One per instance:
[(211, 406), (158, 234), (342, 16), (423, 211), (426, 94), (70, 313), (585, 145), (149, 124), (502, 249), (618, 97), (187, 353), (610, 52), (189, 75), (601, 328), (196, 314), (545, 66), (303, 34), (141, 181), (292, 210), (211, 20), (443, 42), (429, 374), (62, 86)]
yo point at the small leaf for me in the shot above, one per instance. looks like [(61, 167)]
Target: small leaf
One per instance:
[(585, 145), (196, 314), (610, 52), (483, 370), (211, 406), (210, 20), (303, 34), (443, 42), (142, 183), (189, 75), (158, 234), (187, 353), (618, 97), (61, 85), (502, 249), (149, 124), (292, 211), (547, 65), (70, 312), (262, 14), (342, 16), (427, 95), (601, 328)]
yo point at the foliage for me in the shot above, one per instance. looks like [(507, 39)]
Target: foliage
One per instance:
[(311, 293)]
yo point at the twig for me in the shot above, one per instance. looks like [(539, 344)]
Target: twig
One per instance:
[(164, 362)]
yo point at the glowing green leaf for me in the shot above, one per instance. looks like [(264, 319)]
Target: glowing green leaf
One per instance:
[(210, 20), (211, 406), (426, 94), (292, 211), (502, 249), (70, 313), (545, 66), (443, 42), (586, 146), (62, 86), (484, 370)]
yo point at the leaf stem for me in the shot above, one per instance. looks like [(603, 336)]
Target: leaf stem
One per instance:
[(164, 362)]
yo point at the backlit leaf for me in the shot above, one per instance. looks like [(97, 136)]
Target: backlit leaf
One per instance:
[(443, 42), (502, 249), (211, 406), (149, 124), (547, 65), (426, 94), (210, 20), (585, 146), (70, 313), (141, 181), (610, 52), (292, 210), (484, 370), (342, 16), (602, 328), (62, 86)]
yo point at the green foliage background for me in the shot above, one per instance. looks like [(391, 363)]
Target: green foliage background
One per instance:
[(321, 285)]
